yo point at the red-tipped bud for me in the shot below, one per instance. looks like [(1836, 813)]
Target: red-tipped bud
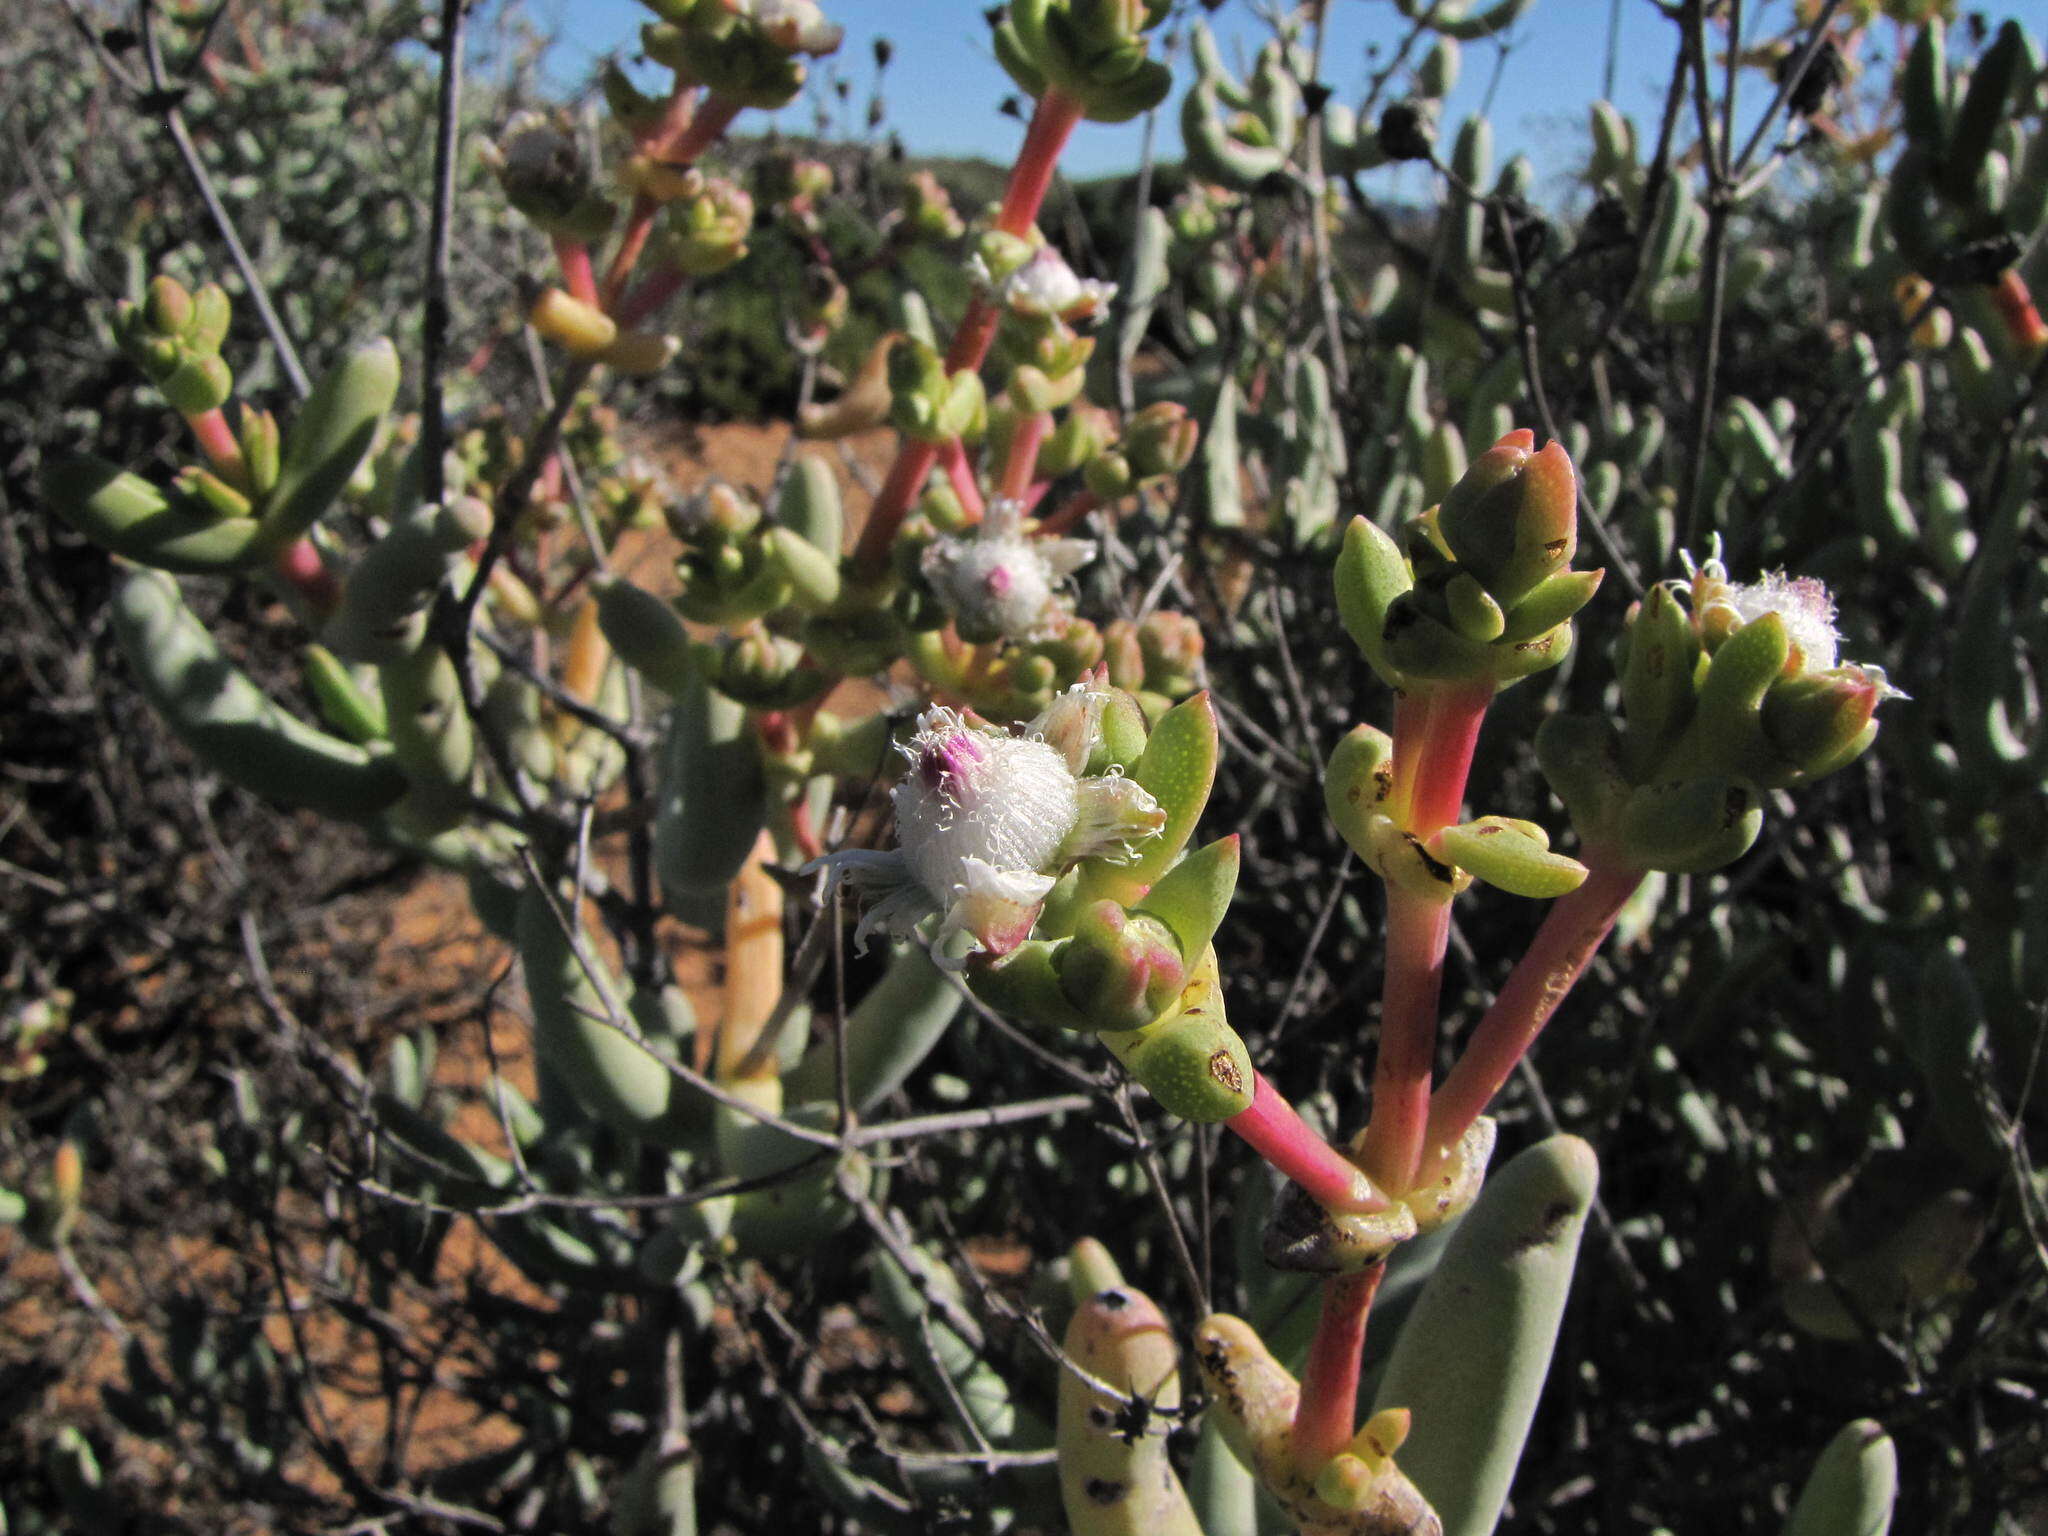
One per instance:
[(1512, 520), (1822, 720), (1123, 969)]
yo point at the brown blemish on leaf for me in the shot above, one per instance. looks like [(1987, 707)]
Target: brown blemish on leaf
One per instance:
[(1223, 1068), (1102, 1490)]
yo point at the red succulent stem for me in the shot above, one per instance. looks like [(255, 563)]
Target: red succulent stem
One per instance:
[(1054, 121), (1326, 1415), (1070, 514), (300, 567), (655, 290), (1285, 1140), (1052, 124), (573, 256), (1572, 932), (222, 448), (1435, 731), (639, 227), (1418, 932), (2016, 308), (953, 460), (1031, 433), (712, 117)]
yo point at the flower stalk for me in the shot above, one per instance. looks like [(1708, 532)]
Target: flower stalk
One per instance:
[(1435, 731), (1279, 1135), (1325, 1416), (1572, 933), (1052, 124)]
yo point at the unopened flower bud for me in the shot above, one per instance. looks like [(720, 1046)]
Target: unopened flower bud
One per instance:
[(1108, 476), (1512, 520), (1161, 439), (168, 306), (1082, 433), (1172, 644), (929, 208), (1122, 969), (709, 228), (1823, 720), (581, 328)]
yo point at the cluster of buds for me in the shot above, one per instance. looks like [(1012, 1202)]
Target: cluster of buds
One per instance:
[(174, 337), (708, 222), (1478, 592), (1044, 304), (747, 51), (260, 487), (795, 187), (1728, 691), (1092, 51), (1156, 444), (929, 403), (548, 178), (1480, 597), (927, 210)]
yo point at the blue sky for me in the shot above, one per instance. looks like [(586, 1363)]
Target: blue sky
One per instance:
[(943, 86)]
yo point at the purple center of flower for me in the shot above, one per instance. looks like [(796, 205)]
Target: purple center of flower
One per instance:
[(954, 755), (999, 581)]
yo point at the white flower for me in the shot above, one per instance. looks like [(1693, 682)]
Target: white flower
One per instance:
[(999, 584), (986, 821), (1803, 605), (797, 26), (1045, 286)]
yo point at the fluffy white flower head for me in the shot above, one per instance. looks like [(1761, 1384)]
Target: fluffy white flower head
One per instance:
[(796, 25), (1803, 605), (999, 584), (985, 822), (1045, 287)]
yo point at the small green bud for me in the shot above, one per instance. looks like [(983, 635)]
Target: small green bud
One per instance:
[(1161, 440), (167, 307), (198, 384), (208, 326), (1122, 969)]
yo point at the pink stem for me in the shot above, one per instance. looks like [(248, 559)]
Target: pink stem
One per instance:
[(1435, 732), (906, 478), (639, 226), (712, 117), (222, 449), (655, 290), (1051, 125), (574, 258), (1418, 931), (1025, 442), (1070, 514), (1284, 1139), (1326, 1416), (1572, 932), (301, 568), (953, 460)]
